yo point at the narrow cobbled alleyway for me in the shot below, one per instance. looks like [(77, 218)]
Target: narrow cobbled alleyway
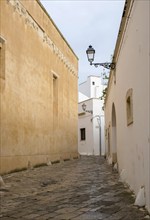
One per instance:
[(80, 189)]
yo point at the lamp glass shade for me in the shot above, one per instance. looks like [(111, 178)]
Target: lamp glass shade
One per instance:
[(84, 106), (90, 54)]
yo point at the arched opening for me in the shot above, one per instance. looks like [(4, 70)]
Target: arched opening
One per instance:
[(108, 135), (114, 135)]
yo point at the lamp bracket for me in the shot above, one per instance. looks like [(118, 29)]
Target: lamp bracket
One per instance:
[(106, 65), (89, 111)]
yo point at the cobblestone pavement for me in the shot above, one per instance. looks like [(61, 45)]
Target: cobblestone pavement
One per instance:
[(81, 189)]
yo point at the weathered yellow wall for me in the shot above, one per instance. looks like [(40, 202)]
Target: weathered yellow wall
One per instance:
[(38, 113)]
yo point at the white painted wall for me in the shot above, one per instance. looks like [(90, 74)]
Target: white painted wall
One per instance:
[(93, 87), (133, 71), (82, 97), (98, 124), (94, 125), (84, 88), (86, 147), (103, 150)]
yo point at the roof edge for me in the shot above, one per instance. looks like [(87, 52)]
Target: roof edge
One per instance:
[(123, 24), (44, 9)]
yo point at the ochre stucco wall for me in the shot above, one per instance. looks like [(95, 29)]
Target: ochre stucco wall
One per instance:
[(39, 91)]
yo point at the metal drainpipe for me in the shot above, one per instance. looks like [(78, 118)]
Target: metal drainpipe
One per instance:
[(99, 123)]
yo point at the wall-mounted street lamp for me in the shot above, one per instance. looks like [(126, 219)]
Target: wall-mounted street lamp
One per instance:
[(90, 55), (84, 109)]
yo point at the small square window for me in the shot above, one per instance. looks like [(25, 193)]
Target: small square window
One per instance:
[(82, 134), (93, 83)]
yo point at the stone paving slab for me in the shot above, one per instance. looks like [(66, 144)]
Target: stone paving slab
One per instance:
[(81, 189)]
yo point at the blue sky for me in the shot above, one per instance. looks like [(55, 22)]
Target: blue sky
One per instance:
[(85, 23)]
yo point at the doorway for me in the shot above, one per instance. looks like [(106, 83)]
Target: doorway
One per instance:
[(114, 136)]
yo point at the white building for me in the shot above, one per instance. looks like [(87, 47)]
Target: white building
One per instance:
[(91, 124), (127, 107)]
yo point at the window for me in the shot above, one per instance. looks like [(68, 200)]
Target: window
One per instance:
[(82, 134), (2, 58), (129, 106), (93, 83)]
